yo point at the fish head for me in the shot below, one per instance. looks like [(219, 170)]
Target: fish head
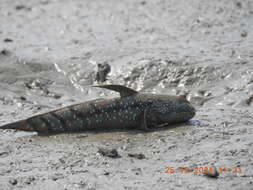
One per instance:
[(172, 109)]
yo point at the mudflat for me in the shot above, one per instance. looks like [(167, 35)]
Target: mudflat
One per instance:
[(52, 51)]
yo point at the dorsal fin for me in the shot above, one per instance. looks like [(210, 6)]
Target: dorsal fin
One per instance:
[(124, 91)]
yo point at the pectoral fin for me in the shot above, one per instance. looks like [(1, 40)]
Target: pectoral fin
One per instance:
[(144, 125), (124, 91)]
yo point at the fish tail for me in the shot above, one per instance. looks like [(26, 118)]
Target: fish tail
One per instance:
[(18, 125)]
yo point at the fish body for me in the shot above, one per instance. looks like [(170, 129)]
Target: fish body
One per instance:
[(131, 110)]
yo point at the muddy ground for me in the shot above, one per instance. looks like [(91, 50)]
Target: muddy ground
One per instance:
[(49, 51)]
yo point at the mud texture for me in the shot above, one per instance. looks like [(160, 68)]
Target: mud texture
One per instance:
[(49, 56)]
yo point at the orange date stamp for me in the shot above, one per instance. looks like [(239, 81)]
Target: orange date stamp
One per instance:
[(202, 170)]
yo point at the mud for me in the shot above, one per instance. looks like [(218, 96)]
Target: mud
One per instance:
[(49, 56)]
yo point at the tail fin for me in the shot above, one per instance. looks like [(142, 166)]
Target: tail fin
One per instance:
[(18, 125)]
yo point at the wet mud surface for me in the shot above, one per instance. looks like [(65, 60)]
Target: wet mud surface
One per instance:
[(52, 51)]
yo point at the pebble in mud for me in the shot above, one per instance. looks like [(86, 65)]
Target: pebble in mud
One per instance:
[(81, 184), (55, 177), (22, 7), (29, 180), (239, 4), (139, 156), (244, 34), (5, 52), (246, 102), (22, 98), (13, 181), (112, 153), (205, 93), (8, 40), (143, 2), (106, 173), (102, 72), (249, 100)]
